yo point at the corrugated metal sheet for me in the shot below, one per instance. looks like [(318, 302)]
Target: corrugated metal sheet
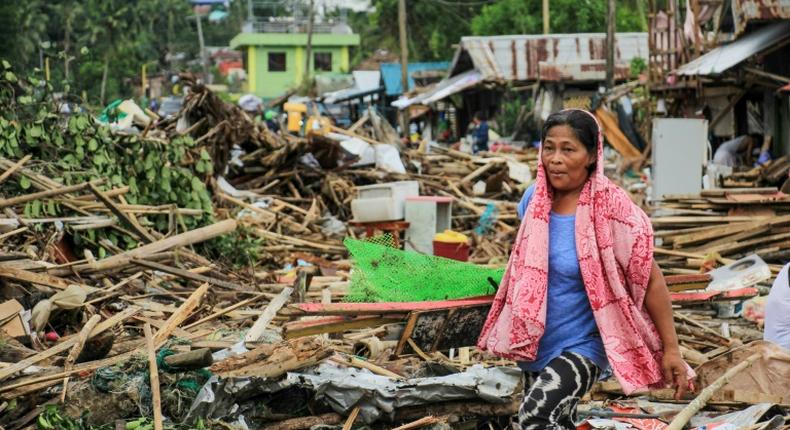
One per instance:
[(519, 58), (727, 56), (442, 90), (391, 74), (746, 11)]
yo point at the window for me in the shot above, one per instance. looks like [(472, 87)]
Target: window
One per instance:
[(277, 61), (322, 61)]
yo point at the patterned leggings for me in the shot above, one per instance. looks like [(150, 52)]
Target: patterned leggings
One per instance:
[(551, 396)]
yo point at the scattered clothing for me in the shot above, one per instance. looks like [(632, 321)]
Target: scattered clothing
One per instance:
[(551, 396), (777, 311), (565, 331)]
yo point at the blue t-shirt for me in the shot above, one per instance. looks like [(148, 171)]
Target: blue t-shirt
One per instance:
[(570, 325)]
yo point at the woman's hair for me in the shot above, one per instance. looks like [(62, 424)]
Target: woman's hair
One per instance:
[(584, 127)]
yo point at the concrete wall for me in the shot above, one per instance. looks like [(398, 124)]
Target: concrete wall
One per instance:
[(268, 84), (257, 46)]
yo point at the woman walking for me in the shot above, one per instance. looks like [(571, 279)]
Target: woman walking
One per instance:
[(582, 292)]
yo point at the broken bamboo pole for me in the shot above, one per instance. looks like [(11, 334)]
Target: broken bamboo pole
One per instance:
[(156, 397), (183, 239), (701, 400), (191, 360), (16, 166), (48, 193)]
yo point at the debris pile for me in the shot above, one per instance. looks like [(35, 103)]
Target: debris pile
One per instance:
[(129, 288)]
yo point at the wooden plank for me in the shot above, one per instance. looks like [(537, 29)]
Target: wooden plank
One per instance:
[(693, 220), (267, 315), (615, 136), (383, 308), (181, 314), (407, 331), (726, 249), (337, 324), (706, 247)]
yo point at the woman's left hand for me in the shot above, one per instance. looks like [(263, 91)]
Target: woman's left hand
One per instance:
[(675, 372)]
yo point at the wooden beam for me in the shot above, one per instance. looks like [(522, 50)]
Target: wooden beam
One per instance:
[(382, 308)]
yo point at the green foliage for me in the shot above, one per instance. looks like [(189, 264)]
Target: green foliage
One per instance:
[(157, 173), (240, 248), (567, 16), (512, 105), (435, 25), (120, 35), (51, 419), (638, 65)]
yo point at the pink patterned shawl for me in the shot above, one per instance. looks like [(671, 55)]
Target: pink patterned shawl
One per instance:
[(614, 242)]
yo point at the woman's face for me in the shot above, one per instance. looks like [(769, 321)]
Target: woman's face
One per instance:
[(565, 159)]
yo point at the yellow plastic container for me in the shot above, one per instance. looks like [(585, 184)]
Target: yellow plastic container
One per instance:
[(449, 236), (295, 112)]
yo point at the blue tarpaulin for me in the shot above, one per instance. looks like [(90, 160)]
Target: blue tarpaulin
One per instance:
[(391, 74)]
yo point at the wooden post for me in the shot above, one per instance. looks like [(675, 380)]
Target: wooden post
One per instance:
[(611, 18), (404, 63), (202, 48), (309, 48), (155, 395), (546, 17)]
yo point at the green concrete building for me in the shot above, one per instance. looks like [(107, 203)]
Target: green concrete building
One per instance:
[(275, 62)]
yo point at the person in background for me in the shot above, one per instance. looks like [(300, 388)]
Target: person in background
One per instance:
[(480, 133), (734, 152), (581, 292), (271, 121), (777, 311)]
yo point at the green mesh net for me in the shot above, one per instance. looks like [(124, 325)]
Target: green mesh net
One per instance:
[(382, 273)]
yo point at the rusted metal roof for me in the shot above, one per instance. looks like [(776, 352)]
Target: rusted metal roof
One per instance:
[(724, 57), (572, 57), (746, 11)]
